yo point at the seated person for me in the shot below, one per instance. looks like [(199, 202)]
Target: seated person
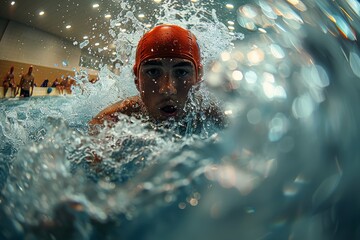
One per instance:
[(67, 83), (9, 82), (45, 83), (167, 67), (55, 83)]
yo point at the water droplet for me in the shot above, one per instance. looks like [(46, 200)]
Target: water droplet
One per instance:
[(355, 63), (84, 44)]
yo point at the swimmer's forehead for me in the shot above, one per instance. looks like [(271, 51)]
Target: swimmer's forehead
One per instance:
[(178, 62)]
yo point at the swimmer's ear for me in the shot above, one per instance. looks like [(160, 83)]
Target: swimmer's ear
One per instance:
[(136, 81)]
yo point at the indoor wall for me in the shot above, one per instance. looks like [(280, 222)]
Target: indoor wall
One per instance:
[(51, 57)]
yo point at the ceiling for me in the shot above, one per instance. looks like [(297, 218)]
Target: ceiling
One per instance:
[(85, 20)]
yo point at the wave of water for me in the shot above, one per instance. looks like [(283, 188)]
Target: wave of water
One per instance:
[(286, 166)]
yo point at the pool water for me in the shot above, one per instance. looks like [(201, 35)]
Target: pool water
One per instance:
[(285, 167)]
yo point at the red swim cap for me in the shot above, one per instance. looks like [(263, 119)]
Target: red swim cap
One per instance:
[(166, 41)]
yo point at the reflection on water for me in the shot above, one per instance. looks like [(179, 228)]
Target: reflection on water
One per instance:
[(286, 167)]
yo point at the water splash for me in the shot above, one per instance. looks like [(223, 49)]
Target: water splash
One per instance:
[(286, 167)]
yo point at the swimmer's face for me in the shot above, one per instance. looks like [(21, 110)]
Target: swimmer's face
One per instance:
[(164, 84)]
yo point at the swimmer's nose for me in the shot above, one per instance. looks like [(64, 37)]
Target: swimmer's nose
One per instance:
[(168, 87)]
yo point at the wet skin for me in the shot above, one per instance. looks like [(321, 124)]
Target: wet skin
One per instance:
[(164, 84)]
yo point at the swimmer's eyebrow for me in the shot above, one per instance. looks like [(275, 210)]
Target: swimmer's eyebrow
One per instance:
[(159, 63), (152, 62), (183, 64)]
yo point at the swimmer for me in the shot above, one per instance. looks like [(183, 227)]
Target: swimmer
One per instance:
[(167, 67)]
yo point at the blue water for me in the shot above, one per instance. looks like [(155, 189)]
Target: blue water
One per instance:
[(286, 167)]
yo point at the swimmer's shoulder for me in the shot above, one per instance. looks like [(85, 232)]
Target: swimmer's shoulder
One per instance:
[(129, 106), (216, 114), (214, 111)]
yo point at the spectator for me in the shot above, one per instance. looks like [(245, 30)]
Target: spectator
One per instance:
[(27, 83), (67, 83), (55, 83), (9, 82), (45, 83)]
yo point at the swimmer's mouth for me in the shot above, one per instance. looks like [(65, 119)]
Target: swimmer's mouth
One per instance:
[(169, 109)]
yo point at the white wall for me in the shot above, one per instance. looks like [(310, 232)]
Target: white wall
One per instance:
[(21, 43), (3, 24)]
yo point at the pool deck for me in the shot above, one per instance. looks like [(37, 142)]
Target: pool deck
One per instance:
[(38, 92)]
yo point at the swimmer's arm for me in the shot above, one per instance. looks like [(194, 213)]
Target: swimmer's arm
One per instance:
[(110, 114)]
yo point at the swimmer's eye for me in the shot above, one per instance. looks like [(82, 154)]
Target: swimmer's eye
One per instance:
[(181, 72), (153, 72)]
